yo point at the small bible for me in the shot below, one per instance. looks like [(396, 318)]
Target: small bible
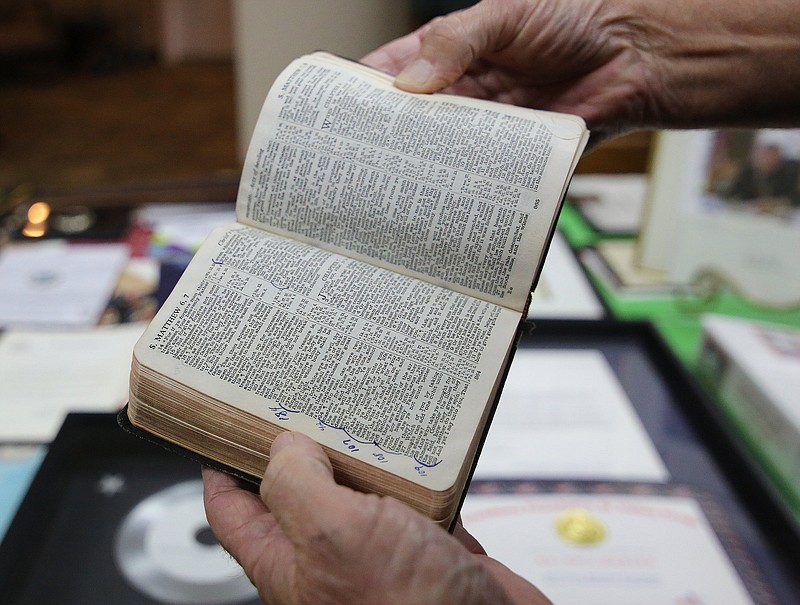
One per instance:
[(371, 291)]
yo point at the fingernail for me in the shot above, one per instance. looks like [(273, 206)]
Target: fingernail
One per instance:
[(416, 75), (281, 442)]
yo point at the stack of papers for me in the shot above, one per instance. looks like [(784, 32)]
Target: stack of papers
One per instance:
[(55, 283), (45, 375)]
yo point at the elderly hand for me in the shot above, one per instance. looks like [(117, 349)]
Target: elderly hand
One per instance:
[(619, 64), (308, 540)]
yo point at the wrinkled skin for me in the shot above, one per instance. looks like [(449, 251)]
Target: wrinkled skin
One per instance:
[(307, 540), (621, 65)]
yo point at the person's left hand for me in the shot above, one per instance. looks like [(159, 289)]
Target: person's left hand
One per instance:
[(308, 540)]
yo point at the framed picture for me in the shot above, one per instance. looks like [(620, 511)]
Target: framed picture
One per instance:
[(724, 206)]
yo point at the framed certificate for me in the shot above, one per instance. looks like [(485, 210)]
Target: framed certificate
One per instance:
[(724, 210), (586, 544), (740, 526)]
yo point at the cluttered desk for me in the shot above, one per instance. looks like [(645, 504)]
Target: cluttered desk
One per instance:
[(620, 440)]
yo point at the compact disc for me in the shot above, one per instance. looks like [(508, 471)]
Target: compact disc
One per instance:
[(166, 550)]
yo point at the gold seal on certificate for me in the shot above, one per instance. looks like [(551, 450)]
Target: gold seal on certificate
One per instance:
[(578, 526)]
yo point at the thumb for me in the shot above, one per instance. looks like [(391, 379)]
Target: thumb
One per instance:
[(297, 462), (450, 44), (298, 478)]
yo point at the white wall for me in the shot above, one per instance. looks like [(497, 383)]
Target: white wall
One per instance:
[(268, 34), (195, 29)]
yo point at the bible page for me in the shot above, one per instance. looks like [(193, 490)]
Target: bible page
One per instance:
[(388, 369), (460, 192)]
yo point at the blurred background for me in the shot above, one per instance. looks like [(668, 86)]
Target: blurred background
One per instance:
[(121, 98)]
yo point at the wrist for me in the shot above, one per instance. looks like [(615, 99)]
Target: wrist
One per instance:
[(725, 63)]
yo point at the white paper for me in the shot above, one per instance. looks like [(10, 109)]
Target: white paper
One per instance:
[(564, 415), (185, 226), (755, 367), (753, 255), (58, 284), (676, 169), (646, 549), (45, 375), (610, 202), (769, 354), (616, 263), (563, 290)]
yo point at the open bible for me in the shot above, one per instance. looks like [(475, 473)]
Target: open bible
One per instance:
[(371, 291)]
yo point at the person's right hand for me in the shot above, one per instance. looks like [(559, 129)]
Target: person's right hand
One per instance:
[(309, 540)]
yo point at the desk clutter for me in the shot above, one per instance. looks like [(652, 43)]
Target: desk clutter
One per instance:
[(72, 308), (605, 459), (74, 299)]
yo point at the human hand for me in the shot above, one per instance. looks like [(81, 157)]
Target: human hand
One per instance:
[(620, 64), (308, 540), (548, 54)]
